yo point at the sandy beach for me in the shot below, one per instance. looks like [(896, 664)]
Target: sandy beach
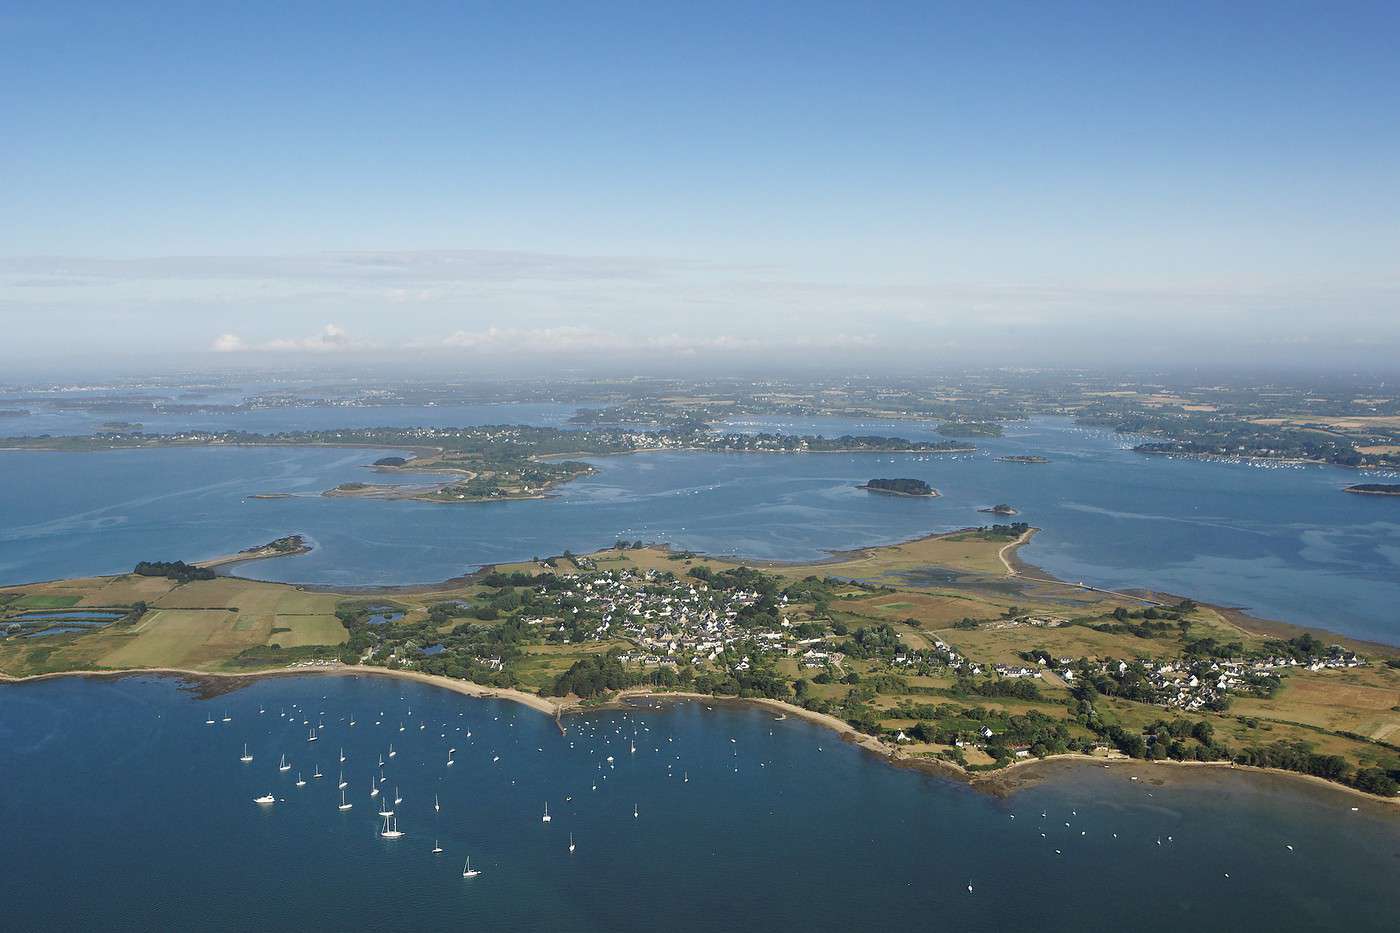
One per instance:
[(1004, 781)]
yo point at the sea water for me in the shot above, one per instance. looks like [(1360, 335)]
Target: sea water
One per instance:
[(125, 811)]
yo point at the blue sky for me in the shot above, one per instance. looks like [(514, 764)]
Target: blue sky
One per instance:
[(1080, 183)]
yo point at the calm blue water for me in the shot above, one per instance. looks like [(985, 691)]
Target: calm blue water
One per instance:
[(120, 788), (1286, 543), (272, 420)]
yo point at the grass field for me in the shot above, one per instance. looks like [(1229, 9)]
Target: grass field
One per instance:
[(200, 625), (38, 601)]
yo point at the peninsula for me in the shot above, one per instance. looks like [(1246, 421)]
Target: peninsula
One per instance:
[(945, 652)]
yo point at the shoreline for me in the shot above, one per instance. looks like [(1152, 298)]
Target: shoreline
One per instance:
[(1016, 567), (1002, 782), (931, 494)]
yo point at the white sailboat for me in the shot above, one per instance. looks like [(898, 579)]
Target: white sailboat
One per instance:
[(210, 720), (343, 783), (283, 765), (311, 735), (391, 829), (245, 758), (300, 782), (384, 811), (265, 799), (546, 818), (392, 753), (450, 762), (571, 842), (437, 807), (344, 804), (397, 799), (468, 871), (634, 811), (317, 775), (373, 788), (227, 717), (437, 849)]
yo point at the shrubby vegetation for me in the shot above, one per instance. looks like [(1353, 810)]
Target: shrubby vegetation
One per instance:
[(176, 570)]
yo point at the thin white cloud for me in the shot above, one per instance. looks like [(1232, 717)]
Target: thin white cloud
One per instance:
[(330, 339), (229, 343)]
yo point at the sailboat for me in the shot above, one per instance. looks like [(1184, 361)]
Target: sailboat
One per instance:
[(383, 809), (397, 799), (686, 778), (317, 775), (227, 717), (437, 849), (392, 753), (450, 762), (343, 783), (373, 788), (300, 782), (468, 871), (391, 829), (437, 807), (344, 804), (210, 720), (342, 756), (571, 842), (311, 735), (282, 765), (265, 799), (245, 757), (546, 818), (634, 811)]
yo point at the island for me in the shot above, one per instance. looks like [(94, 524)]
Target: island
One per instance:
[(1001, 508), (969, 429), (900, 487), (1375, 489), (946, 653), (1022, 458)]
